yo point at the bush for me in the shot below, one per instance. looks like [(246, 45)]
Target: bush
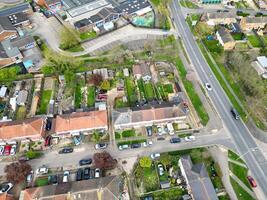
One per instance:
[(33, 154), (128, 133), (145, 162)]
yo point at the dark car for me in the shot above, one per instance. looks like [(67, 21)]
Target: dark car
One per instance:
[(79, 175), (149, 130), (66, 150), (86, 173), (48, 140), (85, 162), (48, 125), (252, 181), (23, 159), (53, 179), (235, 113), (175, 140), (134, 146), (160, 138)]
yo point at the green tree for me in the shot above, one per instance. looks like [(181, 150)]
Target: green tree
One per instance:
[(145, 162), (68, 38), (9, 74), (96, 137), (165, 159), (105, 85), (33, 154)]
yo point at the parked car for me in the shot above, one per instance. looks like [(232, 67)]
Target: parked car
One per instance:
[(160, 130), (2, 148), (252, 181), (48, 125), (85, 162), (66, 175), (42, 170), (135, 146), (122, 147), (175, 140), (160, 138), (53, 179), (23, 159), (13, 149), (155, 155), (101, 146), (86, 173), (235, 113), (149, 130), (79, 175), (161, 169), (7, 150), (208, 86), (5, 187), (48, 140), (97, 173), (190, 138), (66, 150), (29, 179)]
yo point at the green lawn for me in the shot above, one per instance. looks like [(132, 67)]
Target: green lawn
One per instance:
[(131, 92), (242, 46), (240, 192), (140, 84), (188, 4), (120, 104), (240, 172), (170, 194), (76, 48), (91, 96), (132, 142), (117, 135), (161, 91), (78, 96), (224, 197), (254, 41), (41, 182), (88, 35), (168, 88), (232, 155), (213, 45), (238, 36), (128, 133), (45, 98), (21, 113), (149, 91), (203, 115)]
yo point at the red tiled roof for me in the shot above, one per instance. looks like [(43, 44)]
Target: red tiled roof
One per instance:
[(6, 196)]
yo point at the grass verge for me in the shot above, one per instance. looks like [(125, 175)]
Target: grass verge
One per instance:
[(239, 191)]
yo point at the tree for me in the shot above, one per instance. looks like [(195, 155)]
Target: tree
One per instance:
[(105, 85), (104, 161), (33, 154), (68, 39), (96, 137), (16, 172), (96, 79), (145, 162)]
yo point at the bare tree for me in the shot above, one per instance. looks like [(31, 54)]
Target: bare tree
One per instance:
[(16, 172)]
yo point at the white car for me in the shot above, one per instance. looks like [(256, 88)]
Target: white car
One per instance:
[(13, 149), (29, 178), (101, 146), (97, 173), (155, 155), (5, 187), (149, 142), (2, 150), (66, 177), (161, 169), (208, 86), (122, 147), (190, 138), (42, 170)]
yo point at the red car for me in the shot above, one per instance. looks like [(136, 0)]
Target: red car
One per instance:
[(48, 140), (7, 150), (252, 181)]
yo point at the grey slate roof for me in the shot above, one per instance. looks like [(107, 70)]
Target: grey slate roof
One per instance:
[(198, 179), (17, 18), (131, 6), (10, 50), (2, 52), (22, 97), (16, 9), (221, 15), (256, 20), (6, 25), (225, 35), (22, 41)]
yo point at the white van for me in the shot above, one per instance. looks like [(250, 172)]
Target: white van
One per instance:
[(170, 128)]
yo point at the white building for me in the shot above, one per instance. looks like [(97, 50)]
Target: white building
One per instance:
[(3, 91)]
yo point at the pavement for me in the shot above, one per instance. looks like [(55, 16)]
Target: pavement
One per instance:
[(241, 136)]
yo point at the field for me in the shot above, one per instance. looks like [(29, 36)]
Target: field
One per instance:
[(45, 98)]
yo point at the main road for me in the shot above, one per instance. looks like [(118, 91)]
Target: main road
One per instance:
[(245, 144)]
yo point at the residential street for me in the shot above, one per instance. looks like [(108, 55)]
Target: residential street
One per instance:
[(241, 136)]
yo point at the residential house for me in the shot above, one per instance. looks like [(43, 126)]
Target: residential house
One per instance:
[(220, 18), (32, 128), (7, 30), (105, 18), (225, 38), (19, 8), (9, 54), (6, 196), (22, 97), (260, 65), (127, 118), (102, 71), (250, 23), (236, 28), (106, 188), (24, 43), (76, 123), (135, 8), (262, 4), (142, 71), (197, 179), (51, 5)]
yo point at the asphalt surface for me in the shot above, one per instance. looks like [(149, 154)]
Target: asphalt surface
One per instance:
[(241, 136)]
